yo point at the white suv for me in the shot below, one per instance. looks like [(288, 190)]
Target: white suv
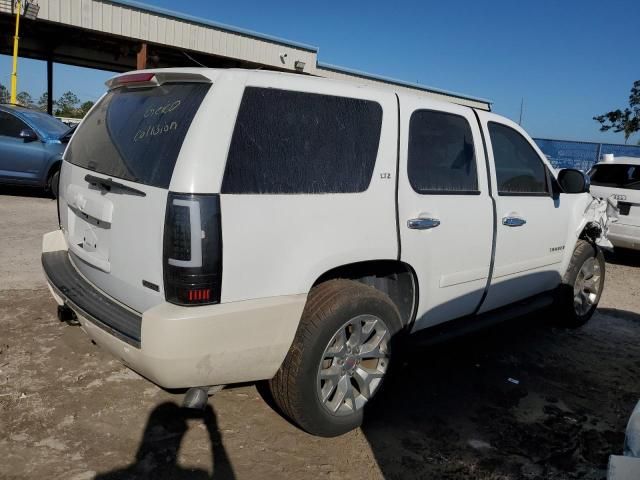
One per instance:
[(223, 226), (620, 179)]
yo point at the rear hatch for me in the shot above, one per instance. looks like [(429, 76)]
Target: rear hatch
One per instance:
[(114, 193), (622, 181)]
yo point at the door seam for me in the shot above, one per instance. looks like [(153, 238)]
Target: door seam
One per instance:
[(397, 201), (495, 216)]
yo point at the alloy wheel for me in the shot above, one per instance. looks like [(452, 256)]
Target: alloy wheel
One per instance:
[(586, 287), (353, 364)]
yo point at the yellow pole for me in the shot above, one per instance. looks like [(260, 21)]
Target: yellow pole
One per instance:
[(14, 73)]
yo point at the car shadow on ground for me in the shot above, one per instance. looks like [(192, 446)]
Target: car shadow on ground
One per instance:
[(513, 401), (18, 191), (624, 314), (158, 451), (630, 258)]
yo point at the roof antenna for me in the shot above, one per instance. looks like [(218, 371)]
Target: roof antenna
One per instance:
[(521, 110), (193, 59)]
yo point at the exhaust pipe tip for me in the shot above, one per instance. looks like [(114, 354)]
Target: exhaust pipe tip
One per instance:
[(197, 397)]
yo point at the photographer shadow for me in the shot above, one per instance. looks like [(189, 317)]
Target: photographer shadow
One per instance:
[(158, 451)]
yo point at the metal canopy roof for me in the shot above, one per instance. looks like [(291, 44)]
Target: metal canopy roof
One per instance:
[(210, 23), (109, 34)]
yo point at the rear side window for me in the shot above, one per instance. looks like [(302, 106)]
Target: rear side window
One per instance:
[(519, 169), (136, 133), (288, 142), (616, 176), (11, 126), (441, 154)]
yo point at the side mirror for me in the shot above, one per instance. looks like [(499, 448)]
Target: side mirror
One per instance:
[(573, 181), (28, 135)]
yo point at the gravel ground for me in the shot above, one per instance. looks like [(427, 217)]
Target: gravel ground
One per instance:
[(23, 220), (68, 410)]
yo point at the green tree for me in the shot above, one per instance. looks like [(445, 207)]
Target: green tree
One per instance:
[(627, 120), (42, 102), (4, 94), (24, 99), (67, 105), (84, 108)]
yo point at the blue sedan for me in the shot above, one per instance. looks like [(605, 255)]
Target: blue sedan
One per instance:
[(31, 147)]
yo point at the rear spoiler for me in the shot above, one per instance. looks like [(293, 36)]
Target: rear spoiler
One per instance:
[(153, 79)]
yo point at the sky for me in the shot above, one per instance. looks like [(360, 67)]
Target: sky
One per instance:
[(569, 60)]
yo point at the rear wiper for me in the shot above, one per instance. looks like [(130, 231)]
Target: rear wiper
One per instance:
[(107, 184)]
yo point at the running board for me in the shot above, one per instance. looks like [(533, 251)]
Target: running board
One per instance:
[(472, 323)]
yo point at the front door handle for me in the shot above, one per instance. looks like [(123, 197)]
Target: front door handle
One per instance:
[(423, 223), (513, 221)]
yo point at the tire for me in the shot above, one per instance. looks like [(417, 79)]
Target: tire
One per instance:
[(582, 286), (324, 339), (54, 181)]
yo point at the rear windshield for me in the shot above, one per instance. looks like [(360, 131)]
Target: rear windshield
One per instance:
[(136, 134), (617, 176)]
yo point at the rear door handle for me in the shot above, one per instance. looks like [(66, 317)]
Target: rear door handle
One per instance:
[(513, 221), (423, 223)]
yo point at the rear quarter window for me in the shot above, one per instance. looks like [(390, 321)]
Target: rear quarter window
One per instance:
[(136, 133), (287, 142)]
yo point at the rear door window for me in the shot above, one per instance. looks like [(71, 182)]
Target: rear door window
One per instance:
[(287, 142), (616, 176), (136, 133), (441, 156)]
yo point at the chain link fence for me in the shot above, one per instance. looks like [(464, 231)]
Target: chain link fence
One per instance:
[(582, 155)]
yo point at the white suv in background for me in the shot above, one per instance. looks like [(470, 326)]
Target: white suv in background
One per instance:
[(620, 179), (224, 226)]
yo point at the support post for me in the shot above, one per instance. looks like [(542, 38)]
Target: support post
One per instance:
[(141, 60), (49, 86), (14, 72)]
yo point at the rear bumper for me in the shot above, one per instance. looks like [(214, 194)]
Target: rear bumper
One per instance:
[(624, 236), (180, 346), (87, 301)]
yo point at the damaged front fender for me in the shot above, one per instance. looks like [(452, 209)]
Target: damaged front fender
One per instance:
[(599, 214)]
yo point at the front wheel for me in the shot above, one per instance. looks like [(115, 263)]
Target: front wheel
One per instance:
[(339, 357), (582, 286)]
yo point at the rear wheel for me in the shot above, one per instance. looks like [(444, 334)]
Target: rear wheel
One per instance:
[(582, 286), (52, 185), (339, 357)]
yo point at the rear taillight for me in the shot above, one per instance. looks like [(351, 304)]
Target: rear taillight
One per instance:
[(192, 249)]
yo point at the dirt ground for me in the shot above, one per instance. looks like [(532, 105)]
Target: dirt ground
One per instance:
[(68, 410)]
